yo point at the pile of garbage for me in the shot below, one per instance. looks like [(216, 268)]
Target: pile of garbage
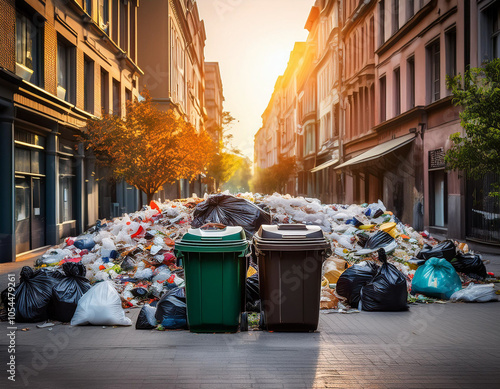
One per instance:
[(372, 250)]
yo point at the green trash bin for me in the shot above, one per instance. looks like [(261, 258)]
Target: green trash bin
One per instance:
[(215, 264)]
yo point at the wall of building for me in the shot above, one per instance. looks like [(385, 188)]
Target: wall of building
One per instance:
[(48, 91)]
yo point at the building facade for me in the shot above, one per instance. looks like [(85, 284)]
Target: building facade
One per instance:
[(61, 63), (383, 115), (214, 95), (171, 44)]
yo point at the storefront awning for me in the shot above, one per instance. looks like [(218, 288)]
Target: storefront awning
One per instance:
[(325, 165), (379, 151)]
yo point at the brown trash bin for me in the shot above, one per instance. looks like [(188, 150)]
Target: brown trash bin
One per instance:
[(290, 258)]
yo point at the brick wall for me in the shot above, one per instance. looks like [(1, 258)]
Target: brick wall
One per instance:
[(80, 81), (8, 34), (50, 50)]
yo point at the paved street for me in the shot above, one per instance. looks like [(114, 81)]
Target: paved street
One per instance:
[(431, 346)]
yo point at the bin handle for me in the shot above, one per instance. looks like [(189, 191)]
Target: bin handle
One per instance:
[(213, 226)]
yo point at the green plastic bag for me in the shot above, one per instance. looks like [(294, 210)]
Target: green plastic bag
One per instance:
[(436, 278)]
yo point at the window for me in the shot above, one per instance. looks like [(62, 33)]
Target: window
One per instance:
[(411, 81), (395, 16), (88, 86), (309, 139), (433, 71), (66, 69), (371, 38), (28, 50), (382, 99), (104, 15), (104, 91), (66, 189), (116, 97), (381, 22), (124, 33), (451, 52), (495, 30), (410, 9), (88, 7), (128, 94), (397, 92), (439, 198), (133, 39)]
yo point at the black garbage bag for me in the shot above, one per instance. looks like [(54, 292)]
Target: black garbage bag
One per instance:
[(352, 280), (68, 291), (54, 273), (231, 211), (252, 293), (252, 288), (387, 291), (171, 309), (470, 264), (446, 249), (33, 295), (146, 319)]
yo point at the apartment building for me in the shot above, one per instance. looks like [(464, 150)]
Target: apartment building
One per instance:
[(62, 62), (171, 42), (319, 102), (388, 61), (214, 95)]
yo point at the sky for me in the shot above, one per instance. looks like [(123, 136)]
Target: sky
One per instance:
[(252, 41)]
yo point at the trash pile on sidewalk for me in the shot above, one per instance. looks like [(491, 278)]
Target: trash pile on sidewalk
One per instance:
[(375, 261)]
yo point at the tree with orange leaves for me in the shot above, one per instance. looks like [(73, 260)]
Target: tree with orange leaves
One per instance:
[(150, 147)]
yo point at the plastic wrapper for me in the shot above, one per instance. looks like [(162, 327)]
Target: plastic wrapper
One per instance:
[(328, 299), (230, 211), (333, 268), (67, 293), (146, 319), (33, 295), (387, 291), (353, 279), (446, 249), (476, 293), (171, 309), (101, 305), (436, 278), (144, 274), (85, 242), (470, 264)]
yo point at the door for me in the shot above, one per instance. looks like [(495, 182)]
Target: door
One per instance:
[(37, 212), (30, 213)]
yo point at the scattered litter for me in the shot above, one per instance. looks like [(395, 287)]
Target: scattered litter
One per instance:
[(134, 254), (476, 293), (45, 325)]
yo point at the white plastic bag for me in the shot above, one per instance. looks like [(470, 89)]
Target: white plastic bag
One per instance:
[(101, 305), (476, 293)]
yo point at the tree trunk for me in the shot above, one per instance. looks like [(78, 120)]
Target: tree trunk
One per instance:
[(150, 198)]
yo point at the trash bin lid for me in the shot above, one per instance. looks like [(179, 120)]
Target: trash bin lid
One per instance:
[(213, 247), (213, 238), (290, 231), (214, 233)]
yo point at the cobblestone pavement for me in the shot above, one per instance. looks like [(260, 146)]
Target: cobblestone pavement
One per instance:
[(430, 346)]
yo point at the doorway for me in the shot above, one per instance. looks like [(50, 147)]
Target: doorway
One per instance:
[(29, 213)]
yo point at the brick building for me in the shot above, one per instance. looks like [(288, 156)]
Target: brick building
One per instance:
[(61, 63), (171, 42)]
